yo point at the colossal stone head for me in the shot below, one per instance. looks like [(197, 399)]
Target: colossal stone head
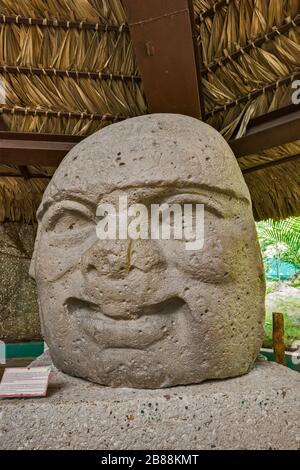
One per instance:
[(150, 313)]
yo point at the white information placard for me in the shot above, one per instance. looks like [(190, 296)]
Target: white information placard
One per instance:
[(25, 382)]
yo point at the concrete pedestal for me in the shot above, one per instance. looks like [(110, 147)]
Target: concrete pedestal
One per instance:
[(258, 411)]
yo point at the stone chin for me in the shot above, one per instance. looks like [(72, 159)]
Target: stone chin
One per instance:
[(162, 345), (150, 314)]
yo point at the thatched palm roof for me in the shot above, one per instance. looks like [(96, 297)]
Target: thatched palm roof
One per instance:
[(251, 54), (68, 67)]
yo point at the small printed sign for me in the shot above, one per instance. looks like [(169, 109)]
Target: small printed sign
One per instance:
[(25, 382)]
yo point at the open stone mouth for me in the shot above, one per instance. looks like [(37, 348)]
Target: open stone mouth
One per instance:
[(90, 311)]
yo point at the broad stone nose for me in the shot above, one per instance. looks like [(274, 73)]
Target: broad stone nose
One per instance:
[(117, 258)]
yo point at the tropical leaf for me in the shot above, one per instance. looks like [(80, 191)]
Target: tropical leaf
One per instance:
[(280, 234)]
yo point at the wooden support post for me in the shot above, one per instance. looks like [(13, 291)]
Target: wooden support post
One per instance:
[(278, 338)]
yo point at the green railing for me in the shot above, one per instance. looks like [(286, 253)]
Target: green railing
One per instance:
[(23, 350)]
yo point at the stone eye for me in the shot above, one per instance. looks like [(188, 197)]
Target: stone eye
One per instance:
[(69, 222)]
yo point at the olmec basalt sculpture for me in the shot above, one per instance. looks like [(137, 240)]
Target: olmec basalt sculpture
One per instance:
[(149, 313)]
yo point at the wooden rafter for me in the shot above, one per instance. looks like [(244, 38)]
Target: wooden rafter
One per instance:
[(49, 150), (284, 28), (272, 164), (57, 23), (10, 69), (34, 149), (255, 94), (162, 35), (210, 12), (25, 111), (272, 133)]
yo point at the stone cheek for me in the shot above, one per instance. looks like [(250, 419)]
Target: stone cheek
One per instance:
[(150, 313)]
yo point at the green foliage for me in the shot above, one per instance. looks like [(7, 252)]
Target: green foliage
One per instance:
[(280, 239), (291, 256), (285, 232), (295, 284), (285, 298)]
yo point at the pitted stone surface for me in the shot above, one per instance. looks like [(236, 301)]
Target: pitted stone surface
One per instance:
[(260, 410), (149, 313)]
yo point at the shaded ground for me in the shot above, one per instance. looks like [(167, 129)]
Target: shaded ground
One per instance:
[(283, 298)]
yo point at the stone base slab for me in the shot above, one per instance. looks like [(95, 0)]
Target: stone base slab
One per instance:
[(258, 411)]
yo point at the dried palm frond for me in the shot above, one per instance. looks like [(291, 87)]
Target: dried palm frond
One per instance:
[(230, 30), (90, 10), (34, 102), (98, 49), (72, 49)]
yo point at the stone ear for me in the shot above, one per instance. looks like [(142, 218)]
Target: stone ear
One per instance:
[(32, 267)]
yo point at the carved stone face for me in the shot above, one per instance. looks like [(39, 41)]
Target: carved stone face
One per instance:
[(149, 313)]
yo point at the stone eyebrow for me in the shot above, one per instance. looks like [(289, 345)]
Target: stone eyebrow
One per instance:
[(196, 189), (61, 197), (205, 192), (92, 204), (213, 206), (184, 185)]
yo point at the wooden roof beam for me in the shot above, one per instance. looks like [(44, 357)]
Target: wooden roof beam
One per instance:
[(49, 150), (272, 164), (163, 37), (34, 149), (271, 133)]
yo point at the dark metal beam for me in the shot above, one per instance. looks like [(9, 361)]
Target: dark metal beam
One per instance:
[(34, 136), (198, 58), (262, 166), (18, 175), (49, 150), (22, 168), (273, 133), (34, 149), (278, 113), (3, 126), (272, 163), (24, 172), (162, 35)]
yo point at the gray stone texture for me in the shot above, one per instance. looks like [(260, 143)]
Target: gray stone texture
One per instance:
[(19, 317), (150, 313), (260, 410)]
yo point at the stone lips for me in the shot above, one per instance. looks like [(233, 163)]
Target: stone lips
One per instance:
[(147, 313)]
